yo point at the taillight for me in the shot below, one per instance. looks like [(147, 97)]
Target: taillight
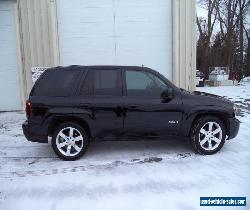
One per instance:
[(28, 108)]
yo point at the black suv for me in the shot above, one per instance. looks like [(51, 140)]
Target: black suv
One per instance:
[(76, 104)]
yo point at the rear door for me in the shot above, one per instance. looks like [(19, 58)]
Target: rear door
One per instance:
[(100, 94), (146, 113)]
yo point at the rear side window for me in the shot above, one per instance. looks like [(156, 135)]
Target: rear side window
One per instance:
[(56, 83), (102, 82)]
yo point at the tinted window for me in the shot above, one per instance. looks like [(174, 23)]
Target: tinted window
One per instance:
[(87, 87), (102, 82), (144, 84), (56, 83)]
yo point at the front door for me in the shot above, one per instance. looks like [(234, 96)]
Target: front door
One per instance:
[(146, 113)]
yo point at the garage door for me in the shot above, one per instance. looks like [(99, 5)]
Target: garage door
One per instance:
[(9, 83), (117, 32)]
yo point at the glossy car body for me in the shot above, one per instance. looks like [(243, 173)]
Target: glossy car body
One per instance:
[(120, 115)]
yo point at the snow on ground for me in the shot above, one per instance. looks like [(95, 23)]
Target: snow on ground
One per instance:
[(123, 175)]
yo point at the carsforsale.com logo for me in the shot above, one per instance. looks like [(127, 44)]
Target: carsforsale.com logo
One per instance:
[(222, 201)]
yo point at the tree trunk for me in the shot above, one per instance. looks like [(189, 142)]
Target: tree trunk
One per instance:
[(241, 25)]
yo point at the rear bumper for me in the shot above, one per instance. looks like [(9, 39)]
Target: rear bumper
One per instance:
[(34, 133), (234, 125)]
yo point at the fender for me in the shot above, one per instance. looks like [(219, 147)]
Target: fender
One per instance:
[(55, 116), (190, 116)]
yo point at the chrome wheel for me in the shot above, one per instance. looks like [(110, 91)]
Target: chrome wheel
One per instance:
[(210, 136), (69, 141)]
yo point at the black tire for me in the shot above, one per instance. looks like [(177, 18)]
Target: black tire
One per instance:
[(195, 135), (84, 142)]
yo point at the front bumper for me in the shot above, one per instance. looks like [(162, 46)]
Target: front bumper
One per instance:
[(234, 125), (34, 133)]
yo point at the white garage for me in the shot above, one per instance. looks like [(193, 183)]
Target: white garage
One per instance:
[(159, 34), (116, 32), (9, 79)]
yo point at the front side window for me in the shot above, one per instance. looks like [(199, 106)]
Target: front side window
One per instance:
[(102, 82), (144, 84)]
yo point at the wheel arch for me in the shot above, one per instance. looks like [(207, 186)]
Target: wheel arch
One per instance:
[(222, 116), (58, 120)]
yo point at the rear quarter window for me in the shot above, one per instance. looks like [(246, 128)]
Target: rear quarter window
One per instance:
[(56, 83)]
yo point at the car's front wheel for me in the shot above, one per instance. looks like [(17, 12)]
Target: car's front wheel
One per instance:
[(70, 141), (208, 135)]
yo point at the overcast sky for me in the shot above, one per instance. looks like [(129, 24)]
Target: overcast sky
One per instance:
[(201, 12)]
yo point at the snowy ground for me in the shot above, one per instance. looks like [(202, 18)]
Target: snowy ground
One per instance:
[(123, 175)]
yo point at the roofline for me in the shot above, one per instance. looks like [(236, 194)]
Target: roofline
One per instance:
[(101, 67)]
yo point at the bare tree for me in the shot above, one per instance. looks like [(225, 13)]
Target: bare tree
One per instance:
[(224, 33), (231, 17), (206, 28), (247, 65)]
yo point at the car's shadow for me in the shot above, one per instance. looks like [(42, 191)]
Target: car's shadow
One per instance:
[(119, 150), (110, 150), (39, 159)]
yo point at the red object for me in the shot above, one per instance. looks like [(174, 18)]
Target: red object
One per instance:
[(234, 76), (28, 108)]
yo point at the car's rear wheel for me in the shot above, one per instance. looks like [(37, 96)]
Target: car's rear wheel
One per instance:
[(208, 135), (70, 141)]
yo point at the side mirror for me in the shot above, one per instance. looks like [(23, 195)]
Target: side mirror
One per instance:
[(167, 94)]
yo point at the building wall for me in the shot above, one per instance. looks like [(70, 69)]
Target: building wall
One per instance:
[(38, 40), (9, 79), (184, 43)]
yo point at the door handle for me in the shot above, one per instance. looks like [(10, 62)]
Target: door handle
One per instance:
[(85, 105), (132, 106)]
